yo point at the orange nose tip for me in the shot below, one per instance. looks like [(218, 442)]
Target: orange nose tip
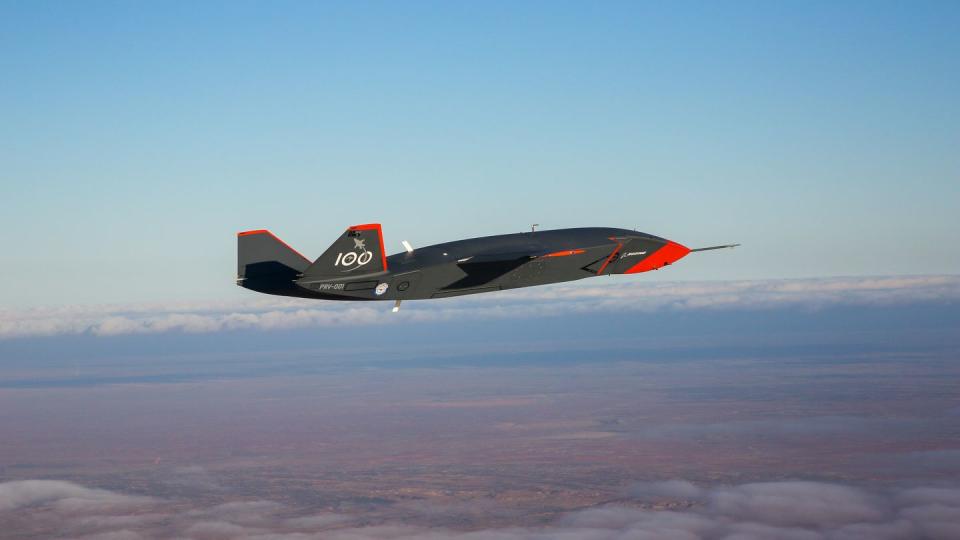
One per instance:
[(670, 253)]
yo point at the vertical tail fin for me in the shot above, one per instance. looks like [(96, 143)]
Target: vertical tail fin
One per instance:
[(267, 264), (358, 251)]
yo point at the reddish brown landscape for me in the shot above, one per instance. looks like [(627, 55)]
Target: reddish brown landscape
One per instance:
[(462, 444)]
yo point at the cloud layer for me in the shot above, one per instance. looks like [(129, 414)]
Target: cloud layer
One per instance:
[(272, 313), (673, 509)]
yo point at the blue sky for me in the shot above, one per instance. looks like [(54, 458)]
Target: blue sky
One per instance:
[(136, 139)]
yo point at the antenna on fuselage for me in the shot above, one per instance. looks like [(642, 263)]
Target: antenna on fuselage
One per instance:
[(533, 228), (407, 246)]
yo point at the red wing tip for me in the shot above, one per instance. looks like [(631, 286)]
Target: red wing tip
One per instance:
[(265, 231), (257, 231)]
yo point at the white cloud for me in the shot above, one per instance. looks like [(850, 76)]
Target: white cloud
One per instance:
[(796, 504), (66, 495), (790, 510), (277, 313)]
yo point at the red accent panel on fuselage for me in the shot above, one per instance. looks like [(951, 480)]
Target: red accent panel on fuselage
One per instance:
[(613, 254), (565, 253)]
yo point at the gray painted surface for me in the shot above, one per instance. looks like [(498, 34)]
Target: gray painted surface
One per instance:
[(353, 267)]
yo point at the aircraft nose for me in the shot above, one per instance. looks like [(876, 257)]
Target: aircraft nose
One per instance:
[(669, 253)]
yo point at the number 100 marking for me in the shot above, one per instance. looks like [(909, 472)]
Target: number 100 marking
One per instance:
[(352, 258)]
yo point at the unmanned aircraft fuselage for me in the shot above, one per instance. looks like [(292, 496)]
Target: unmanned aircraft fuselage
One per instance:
[(356, 266)]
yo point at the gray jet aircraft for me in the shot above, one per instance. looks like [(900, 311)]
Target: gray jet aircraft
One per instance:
[(356, 266)]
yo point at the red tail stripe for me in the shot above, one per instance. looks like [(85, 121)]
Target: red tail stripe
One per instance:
[(379, 229), (365, 227)]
